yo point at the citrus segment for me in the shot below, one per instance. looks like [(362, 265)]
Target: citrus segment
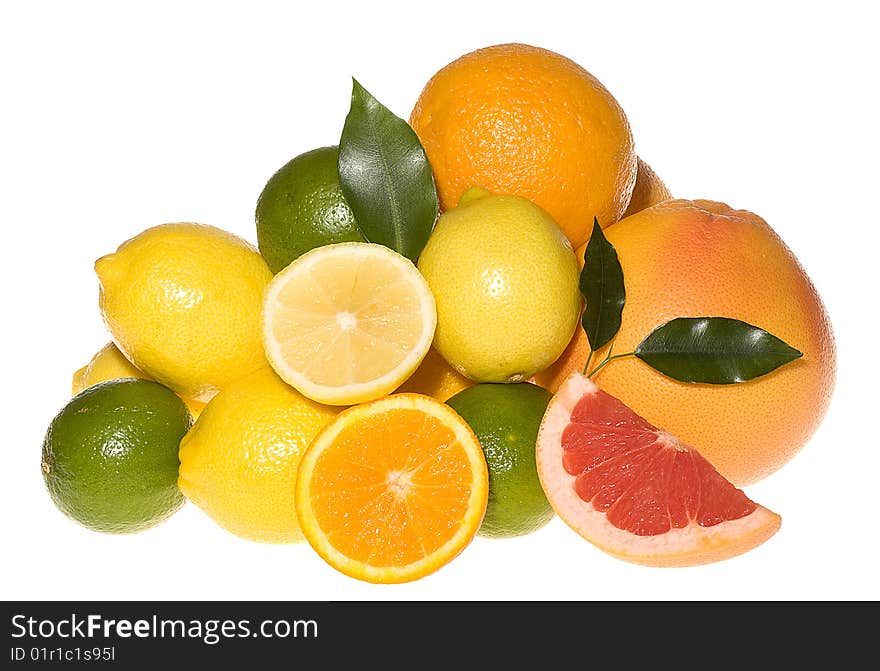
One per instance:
[(637, 492), (611, 451), (392, 490), (348, 323)]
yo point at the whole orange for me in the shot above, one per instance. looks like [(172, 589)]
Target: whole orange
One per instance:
[(649, 190), (701, 258), (521, 120)]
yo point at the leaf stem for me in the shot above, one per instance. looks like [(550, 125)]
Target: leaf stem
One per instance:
[(608, 359), (589, 358)]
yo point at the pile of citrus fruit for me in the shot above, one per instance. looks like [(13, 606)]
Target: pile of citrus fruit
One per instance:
[(461, 324)]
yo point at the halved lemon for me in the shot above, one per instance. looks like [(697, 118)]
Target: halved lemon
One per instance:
[(348, 323), (392, 490)]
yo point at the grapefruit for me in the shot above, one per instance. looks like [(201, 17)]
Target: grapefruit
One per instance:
[(637, 492), (685, 258)]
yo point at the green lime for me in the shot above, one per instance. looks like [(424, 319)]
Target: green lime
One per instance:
[(505, 419), (110, 456), (302, 207)]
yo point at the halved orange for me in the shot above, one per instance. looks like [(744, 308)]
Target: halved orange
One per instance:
[(392, 490)]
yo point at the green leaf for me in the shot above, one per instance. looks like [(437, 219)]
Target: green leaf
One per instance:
[(716, 350), (385, 176), (603, 289)]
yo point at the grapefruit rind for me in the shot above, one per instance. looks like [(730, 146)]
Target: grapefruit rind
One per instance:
[(689, 546), (470, 523)]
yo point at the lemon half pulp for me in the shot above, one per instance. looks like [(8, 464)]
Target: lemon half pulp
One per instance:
[(348, 323)]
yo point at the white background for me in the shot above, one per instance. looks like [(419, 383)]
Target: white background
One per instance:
[(114, 119)]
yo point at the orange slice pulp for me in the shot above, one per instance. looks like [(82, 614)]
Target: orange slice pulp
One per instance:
[(392, 490)]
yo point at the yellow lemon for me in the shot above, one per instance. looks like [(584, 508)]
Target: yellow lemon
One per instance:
[(436, 378), (348, 323), (110, 364), (239, 461), (183, 304), (505, 280)]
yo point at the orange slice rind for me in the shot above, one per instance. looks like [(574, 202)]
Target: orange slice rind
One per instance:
[(392, 490)]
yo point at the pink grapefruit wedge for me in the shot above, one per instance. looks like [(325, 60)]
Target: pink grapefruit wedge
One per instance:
[(637, 492)]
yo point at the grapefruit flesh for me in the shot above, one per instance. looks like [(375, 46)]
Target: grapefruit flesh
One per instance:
[(636, 491)]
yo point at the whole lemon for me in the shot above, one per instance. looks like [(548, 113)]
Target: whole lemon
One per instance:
[(505, 280), (107, 364), (183, 304), (435, 377), (239, 461), (110, 364)]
